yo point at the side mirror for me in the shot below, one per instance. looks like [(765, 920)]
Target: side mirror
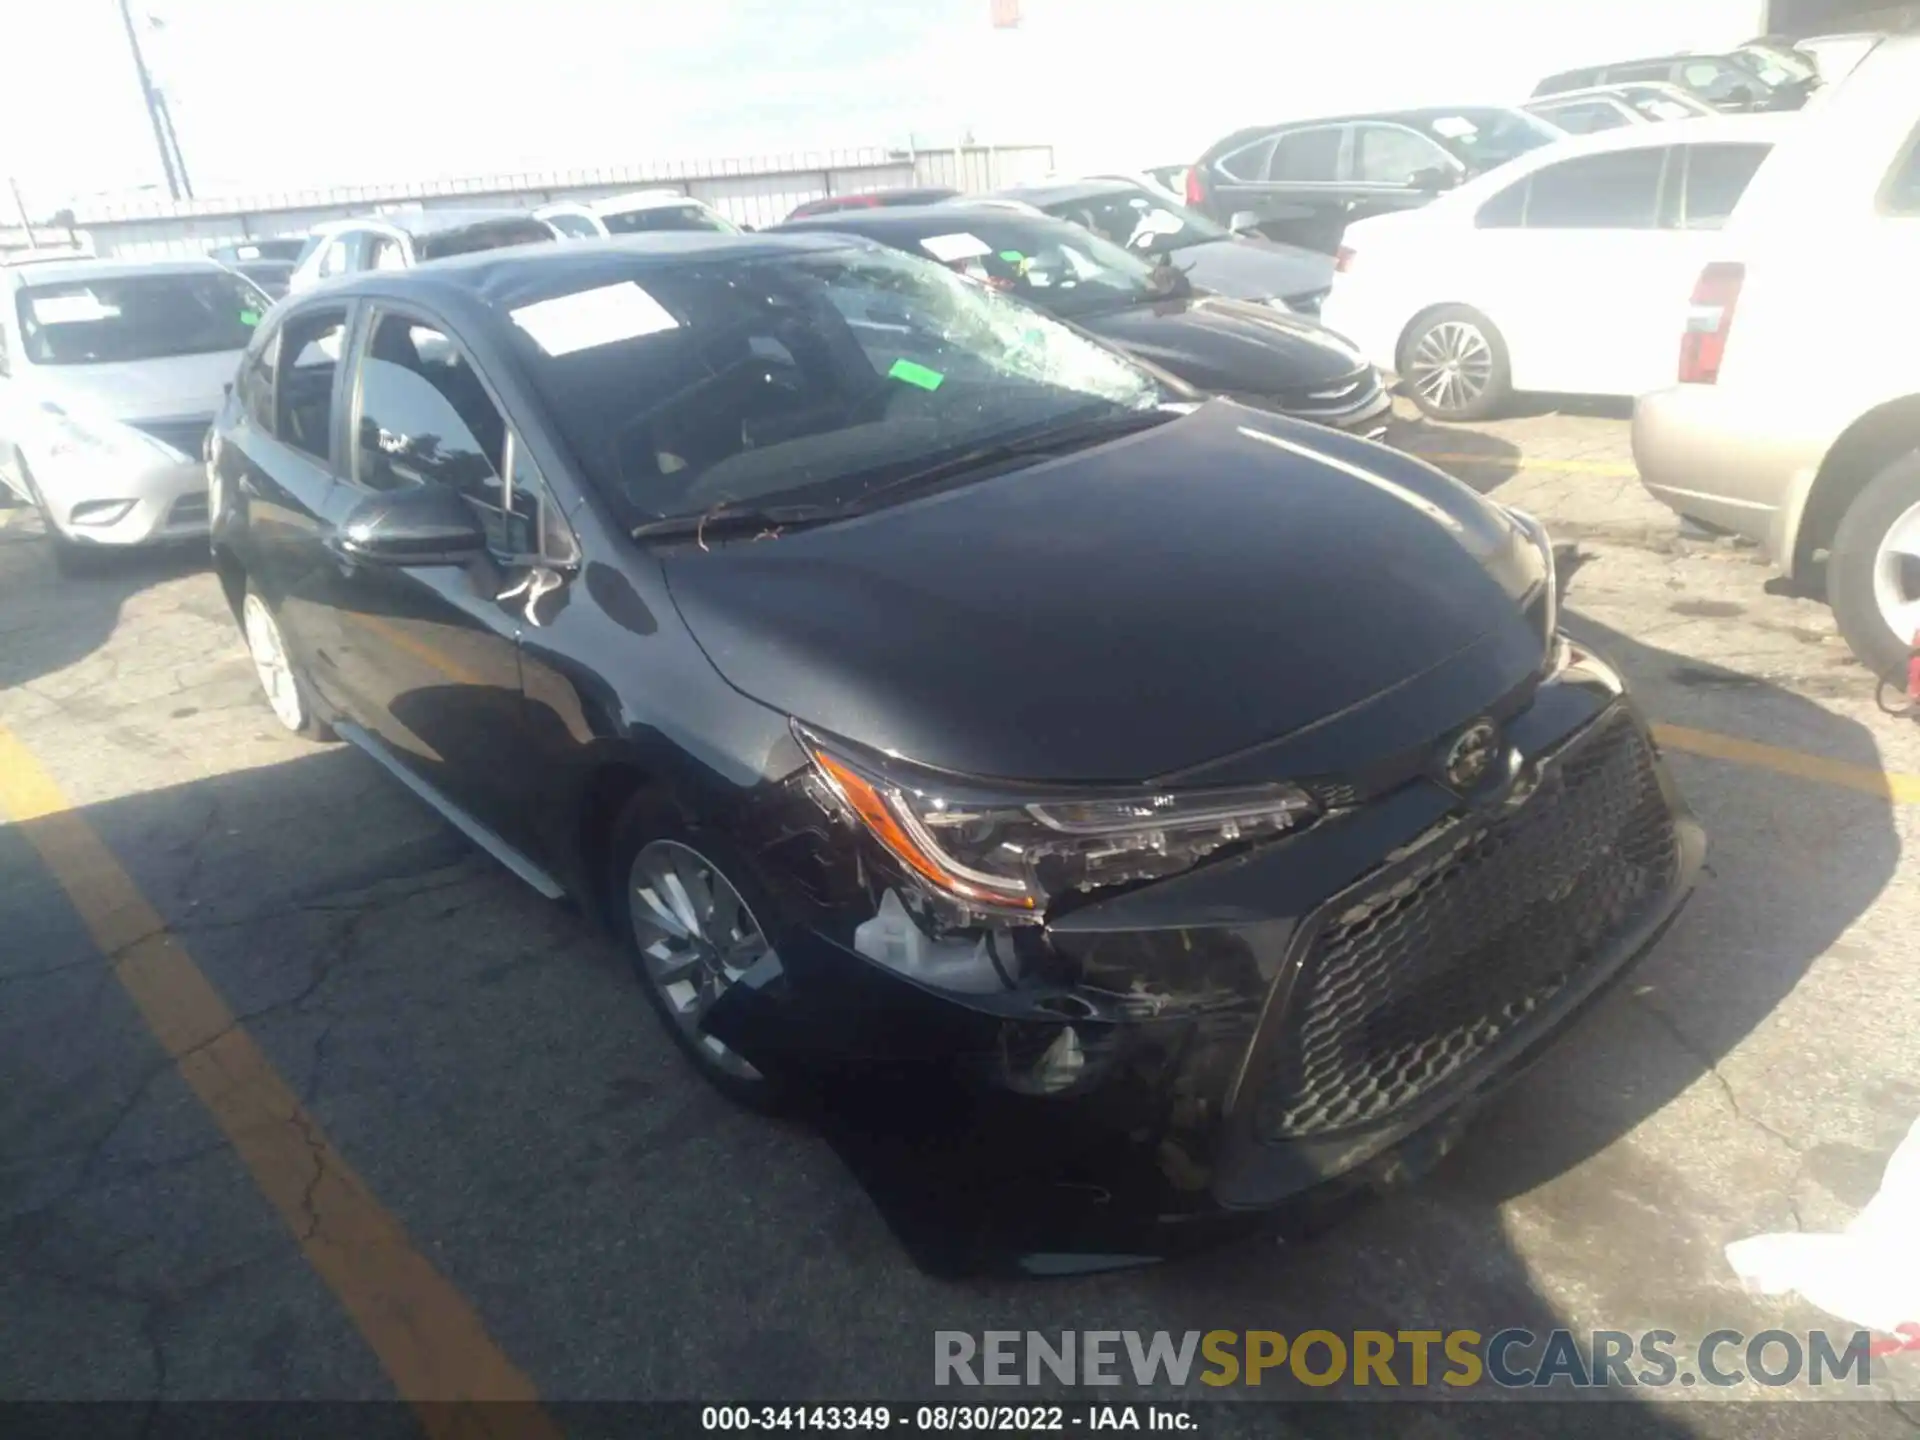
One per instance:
[(419, 525), (1432, 180)]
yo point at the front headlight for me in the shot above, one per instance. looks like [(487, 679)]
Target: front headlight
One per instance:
[(1547, 597), (1010, 853)]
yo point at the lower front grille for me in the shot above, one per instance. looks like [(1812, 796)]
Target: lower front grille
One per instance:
[(188, 510), (1405, 988)]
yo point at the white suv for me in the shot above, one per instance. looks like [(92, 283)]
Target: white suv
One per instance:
[(1797, 417), (110, 374), (400, 240)]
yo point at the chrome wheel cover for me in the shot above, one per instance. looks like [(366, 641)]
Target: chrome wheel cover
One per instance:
[(1451, 365), (1896, 576), (696, 938), (270, 663)]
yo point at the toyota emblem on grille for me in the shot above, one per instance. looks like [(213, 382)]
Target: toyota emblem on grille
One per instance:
[(1471, 755)]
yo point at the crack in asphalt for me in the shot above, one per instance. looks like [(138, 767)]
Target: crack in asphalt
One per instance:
[(1712, 1067), (343, 950)]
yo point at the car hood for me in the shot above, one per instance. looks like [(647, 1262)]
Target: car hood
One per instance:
[(1135, 610), (1255, 269), (1227, 345), (169, 388)]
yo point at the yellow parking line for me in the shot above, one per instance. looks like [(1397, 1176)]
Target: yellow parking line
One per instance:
[(432, 1344), (1886, 784), (1611, 468)]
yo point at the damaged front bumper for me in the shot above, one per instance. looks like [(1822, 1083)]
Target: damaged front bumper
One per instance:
[(1261, 1034)]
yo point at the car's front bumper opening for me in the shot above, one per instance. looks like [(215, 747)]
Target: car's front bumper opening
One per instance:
[(1318, 1013)]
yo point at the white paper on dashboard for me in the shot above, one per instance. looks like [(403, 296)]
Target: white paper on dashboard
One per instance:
[(590, 318), (961, 246)]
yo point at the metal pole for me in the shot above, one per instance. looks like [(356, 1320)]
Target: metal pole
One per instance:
[(173, 142), (147, 95), (20, 206)]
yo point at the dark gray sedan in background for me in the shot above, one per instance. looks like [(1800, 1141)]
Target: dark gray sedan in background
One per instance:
[(1148, 222)]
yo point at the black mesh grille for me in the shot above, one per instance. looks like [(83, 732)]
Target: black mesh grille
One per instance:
[(1406, 987), (188, 510), (186, 436)]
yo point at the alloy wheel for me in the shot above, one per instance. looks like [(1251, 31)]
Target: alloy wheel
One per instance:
[(270, 663), (1452, 365), (696, 938), (1896, 576)]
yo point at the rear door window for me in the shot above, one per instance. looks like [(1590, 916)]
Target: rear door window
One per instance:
[(254, 384), (577, 227), (1507, 210), (345, 252), (1307, 157), (1617, 191), (1390, 155), (308, 362), (1901, 194), (1583, 117), (1248, 164), (1717, 177), (386, 254)]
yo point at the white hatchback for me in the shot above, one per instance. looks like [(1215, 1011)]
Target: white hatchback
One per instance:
[(110, 374), (1566, 270)]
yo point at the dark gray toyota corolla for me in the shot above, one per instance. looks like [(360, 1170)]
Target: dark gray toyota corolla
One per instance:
[(1109, 813)]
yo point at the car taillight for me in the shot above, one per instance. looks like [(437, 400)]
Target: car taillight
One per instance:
[(1196, 187), (1343, 261), (1709, 318)]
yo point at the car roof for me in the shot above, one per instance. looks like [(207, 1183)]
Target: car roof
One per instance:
[(70, 271), (418, 223), (1064, 192), (520, 274), (1586, 92), (1250, 133), (914, 222), (630, 200)]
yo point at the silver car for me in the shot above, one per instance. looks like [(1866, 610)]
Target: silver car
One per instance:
[(110, 373)]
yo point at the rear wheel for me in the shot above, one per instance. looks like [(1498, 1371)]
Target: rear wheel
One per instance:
[(1873, 569), (1454, 364), (287, 692)]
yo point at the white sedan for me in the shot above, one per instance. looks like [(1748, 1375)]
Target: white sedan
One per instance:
[(1566, 270)]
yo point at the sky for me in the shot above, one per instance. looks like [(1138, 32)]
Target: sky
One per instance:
[(286, 94)]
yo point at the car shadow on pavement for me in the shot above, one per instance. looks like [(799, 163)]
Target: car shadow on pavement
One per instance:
[(49, 621), (1472, 456), (490, 1068)]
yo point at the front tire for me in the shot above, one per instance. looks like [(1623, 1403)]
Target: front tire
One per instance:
[(1454, 364), (691, 918), (1873, 569), (282, 685)]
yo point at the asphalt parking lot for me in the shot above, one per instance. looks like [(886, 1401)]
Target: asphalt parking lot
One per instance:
[(302, 1097)]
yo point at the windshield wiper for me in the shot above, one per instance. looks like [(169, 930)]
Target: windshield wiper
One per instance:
[(1039, 446), (728, 522)]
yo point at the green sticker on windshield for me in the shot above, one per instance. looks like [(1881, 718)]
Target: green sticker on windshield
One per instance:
[(916, 374), (1012, 257), (249, 317)]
